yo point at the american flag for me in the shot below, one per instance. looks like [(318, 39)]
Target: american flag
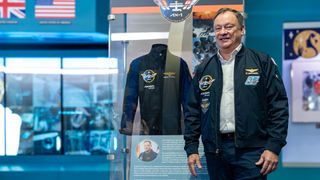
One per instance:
[(12, 9), (55, 9)]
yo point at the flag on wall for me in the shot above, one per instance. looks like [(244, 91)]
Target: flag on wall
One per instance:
[(10, 9), (55, 9)]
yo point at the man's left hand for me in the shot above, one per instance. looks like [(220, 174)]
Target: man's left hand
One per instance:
[(269, 162)]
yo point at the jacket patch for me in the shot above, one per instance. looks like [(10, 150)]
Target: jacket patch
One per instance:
[(205, 82), (205, 105), (148, 76), (252, 80), (169, 75), (251, 71)]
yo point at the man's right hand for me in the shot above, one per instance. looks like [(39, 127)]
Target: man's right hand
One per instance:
[(192, 160)]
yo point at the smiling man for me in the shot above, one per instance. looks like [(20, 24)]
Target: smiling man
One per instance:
[(148, 154), (238, 104)]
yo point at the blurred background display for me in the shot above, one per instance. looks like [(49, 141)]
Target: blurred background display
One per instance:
[(57, 106)]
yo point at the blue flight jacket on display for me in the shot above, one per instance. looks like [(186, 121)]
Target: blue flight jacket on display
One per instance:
[(161, 82)]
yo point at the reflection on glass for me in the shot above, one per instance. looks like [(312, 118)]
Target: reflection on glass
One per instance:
[(47, 143), (9, 130), (101, 142), (88, 114), (36, 99)]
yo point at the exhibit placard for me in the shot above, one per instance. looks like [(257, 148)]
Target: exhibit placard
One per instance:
[(162, 157)]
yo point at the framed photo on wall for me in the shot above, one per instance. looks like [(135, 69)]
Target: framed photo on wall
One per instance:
[(305, 78)]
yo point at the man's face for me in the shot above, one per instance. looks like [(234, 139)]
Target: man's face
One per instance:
[(227, 31), (147, 146)]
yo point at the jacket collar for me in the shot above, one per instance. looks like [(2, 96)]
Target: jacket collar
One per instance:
[(232, 55), (242, 50)]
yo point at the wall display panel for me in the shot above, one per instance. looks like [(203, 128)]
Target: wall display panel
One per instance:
[(60, 111), (47, 16), (203, 37), (146, 6), (124, 3), (35, 99), (52, 22), (301, 70), (38, 117), (88, 106)]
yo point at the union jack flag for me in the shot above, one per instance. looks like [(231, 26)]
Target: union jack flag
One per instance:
[(55, 9), (12, 9)]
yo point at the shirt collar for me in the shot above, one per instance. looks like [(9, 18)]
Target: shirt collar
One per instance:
[(233, 54)]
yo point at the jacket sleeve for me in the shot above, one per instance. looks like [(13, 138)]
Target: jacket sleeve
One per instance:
[(192, 119), (278, 114), (185, 83), (130, 100)]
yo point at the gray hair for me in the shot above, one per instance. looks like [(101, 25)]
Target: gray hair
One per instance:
[(238, 15)]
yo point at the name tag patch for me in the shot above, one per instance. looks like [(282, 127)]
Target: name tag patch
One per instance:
[(252, 80)]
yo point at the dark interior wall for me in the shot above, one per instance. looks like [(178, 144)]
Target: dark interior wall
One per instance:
[(265, 19), (264, 32)]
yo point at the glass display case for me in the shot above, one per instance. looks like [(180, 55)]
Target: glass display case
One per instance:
[(158, 45)]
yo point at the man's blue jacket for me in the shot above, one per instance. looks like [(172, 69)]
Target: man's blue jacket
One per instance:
[(261, 104)]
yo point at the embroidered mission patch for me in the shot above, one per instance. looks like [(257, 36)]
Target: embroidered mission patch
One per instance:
[(148, 76), (205, 82)]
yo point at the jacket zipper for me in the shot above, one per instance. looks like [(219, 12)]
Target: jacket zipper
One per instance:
[(234, 100), (217, 127)]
